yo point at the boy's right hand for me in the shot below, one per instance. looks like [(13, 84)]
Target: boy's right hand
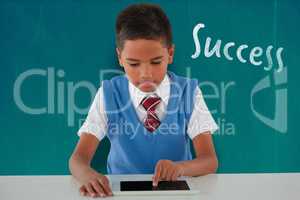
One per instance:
[(95, 184)]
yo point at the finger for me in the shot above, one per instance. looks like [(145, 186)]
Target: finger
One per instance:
[(83, 190), (105, 186), (175, 175), (163, 173), (104, 180), (98, 188), (169, 172), (157, 174), (90, 190)]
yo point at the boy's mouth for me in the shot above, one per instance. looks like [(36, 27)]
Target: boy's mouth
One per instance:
[(147, 85)]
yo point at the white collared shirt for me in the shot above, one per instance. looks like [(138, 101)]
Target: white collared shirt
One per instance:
[(201, 119)]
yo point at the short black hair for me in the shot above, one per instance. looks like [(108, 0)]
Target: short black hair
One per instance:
[(143, 21)]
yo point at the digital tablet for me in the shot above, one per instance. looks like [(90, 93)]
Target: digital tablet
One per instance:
[(147, 185), (141, 185)]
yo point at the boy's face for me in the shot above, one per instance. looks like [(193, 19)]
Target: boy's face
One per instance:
[(145, 62)]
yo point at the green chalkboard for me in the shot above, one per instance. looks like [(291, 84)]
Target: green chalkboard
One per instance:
[(245, 54)]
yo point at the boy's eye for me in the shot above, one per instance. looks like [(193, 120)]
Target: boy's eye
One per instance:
[(133, 64), (156, 63)]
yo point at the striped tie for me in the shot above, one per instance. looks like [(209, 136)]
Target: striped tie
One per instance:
[(152, 121)]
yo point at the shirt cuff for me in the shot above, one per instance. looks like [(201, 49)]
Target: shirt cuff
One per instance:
[(92, 129), (202, 127)]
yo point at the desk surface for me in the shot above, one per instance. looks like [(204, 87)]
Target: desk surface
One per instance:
[(214, 186)]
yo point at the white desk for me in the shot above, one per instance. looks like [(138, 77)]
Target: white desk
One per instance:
[(214, 186)]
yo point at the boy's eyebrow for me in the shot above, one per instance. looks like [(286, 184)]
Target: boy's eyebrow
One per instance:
[(133, 59)]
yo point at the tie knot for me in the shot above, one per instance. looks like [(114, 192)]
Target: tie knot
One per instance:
[(150, 102)]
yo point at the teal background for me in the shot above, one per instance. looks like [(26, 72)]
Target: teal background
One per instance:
[(78, 38)]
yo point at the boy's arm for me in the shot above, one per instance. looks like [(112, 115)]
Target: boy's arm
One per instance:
[(83, 154), (93, 183), (205, 162)]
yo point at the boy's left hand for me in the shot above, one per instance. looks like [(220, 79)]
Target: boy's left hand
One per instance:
[(166, 170)]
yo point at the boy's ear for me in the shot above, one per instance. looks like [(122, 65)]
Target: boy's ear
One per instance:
[(171, 53), (119, 56)]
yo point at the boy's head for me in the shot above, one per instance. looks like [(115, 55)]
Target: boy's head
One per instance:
[(144, 44)]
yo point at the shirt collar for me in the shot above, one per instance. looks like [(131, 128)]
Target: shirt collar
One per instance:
[(163, 91)]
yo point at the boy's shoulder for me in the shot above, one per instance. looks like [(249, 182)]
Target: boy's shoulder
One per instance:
[(119, 79), (182, 80)]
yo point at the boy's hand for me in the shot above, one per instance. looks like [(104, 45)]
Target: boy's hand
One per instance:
[(95, 184), (167, 170)]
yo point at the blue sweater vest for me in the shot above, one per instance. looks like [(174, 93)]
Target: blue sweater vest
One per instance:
[(135, 150)]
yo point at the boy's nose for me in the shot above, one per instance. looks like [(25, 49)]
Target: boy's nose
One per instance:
[(146, 72)]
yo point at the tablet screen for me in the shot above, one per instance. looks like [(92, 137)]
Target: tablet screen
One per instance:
[(147, 185)]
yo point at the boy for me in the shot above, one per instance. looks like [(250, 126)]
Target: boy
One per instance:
[(149, 114)]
